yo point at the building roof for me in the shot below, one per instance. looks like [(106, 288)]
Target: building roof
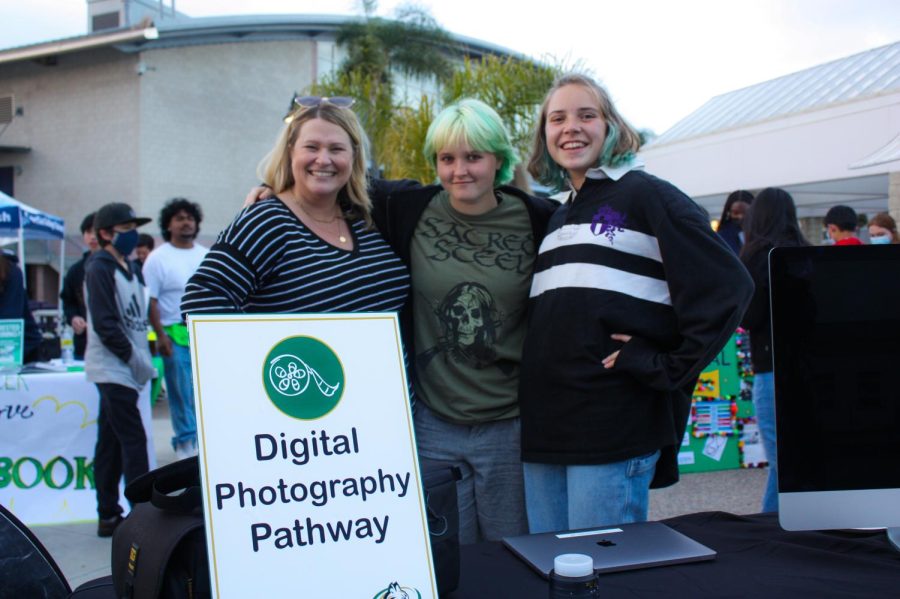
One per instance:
[(185, 31), (862, 75)]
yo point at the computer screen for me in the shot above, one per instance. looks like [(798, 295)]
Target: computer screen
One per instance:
[(836, 351)]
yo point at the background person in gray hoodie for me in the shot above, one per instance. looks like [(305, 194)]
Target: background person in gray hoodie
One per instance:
[(117, 358)]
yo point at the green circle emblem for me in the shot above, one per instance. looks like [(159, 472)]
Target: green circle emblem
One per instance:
[(303, 377)]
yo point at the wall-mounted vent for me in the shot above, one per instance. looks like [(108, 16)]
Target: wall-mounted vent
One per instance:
[(7, 109), (109, 20)]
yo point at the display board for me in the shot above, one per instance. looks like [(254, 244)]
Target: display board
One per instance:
[(722, 433)]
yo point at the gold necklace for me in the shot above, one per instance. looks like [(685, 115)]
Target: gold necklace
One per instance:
[(337, 217)]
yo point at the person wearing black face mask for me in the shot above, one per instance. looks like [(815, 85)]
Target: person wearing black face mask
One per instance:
[(733, 212), (117, 358)]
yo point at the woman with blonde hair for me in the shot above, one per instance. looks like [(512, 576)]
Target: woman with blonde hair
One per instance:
[(311, 247), (633, 295)]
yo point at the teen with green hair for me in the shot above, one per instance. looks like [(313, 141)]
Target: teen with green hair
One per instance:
[(633, 295), (470, 244)]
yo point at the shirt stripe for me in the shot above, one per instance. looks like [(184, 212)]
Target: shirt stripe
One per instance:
[(268, 261), (594, 276), (631, 242)]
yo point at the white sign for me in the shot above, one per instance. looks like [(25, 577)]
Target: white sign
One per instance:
[(714, 447), (308, 459), (48, 430), (685, 458)]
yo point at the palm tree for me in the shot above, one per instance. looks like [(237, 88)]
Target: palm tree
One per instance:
[(514, 87), (403, 143), (413, 45)]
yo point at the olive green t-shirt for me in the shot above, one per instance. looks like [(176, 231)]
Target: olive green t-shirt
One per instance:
[(470, 278)]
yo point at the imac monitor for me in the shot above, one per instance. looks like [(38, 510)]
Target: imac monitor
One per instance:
[(836, 351)]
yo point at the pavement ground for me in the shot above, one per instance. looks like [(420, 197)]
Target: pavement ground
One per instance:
[(83, 556)]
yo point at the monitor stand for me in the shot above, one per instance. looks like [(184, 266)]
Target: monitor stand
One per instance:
[(893, 535)]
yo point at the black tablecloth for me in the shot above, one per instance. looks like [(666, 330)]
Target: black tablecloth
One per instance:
[(756, 558)]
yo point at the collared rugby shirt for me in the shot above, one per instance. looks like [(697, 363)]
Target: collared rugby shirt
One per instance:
[(632, 256)]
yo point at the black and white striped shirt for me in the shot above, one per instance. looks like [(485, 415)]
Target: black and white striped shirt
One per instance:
[(267, 260), (630, 255)]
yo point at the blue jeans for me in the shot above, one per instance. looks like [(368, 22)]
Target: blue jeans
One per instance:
[(180, 394), (491, 496), (568, 497), (764, 405)]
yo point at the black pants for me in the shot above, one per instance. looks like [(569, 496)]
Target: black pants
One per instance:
[(121, 445)]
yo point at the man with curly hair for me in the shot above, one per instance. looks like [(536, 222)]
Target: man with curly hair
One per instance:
[(166, 271)]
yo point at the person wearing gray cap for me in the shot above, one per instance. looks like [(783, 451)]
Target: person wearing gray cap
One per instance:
[(117, 358)]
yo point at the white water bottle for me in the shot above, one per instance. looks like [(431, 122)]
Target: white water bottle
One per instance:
[(67, 345)]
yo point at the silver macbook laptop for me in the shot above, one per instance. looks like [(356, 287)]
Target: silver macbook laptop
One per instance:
[(614, 548)]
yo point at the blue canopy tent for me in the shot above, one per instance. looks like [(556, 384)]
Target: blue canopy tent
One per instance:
[(20, 221)]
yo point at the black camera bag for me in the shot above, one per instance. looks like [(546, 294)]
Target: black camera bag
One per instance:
[(159, 550)]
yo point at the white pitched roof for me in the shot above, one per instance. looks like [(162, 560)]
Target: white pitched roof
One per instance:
[(861, 75)]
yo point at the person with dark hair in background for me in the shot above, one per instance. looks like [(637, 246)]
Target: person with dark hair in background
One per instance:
[(733, 213), (14, 304), (841, 222), (883, 229), (166, 272), (117, 359), (771, 222), (72, 294), (142, 251)]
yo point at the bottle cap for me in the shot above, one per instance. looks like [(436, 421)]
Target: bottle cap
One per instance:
[(573, 565)]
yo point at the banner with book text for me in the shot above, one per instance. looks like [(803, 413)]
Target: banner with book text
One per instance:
[(308, 460)]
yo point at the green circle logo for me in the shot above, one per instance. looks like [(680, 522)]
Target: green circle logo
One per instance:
[(303, 377)]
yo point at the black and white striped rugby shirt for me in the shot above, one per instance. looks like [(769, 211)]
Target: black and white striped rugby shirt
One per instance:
[(635, 256)]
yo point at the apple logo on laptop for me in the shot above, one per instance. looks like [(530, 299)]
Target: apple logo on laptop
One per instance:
[(605, 543)]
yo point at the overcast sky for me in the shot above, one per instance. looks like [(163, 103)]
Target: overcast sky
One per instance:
[(660, 59)]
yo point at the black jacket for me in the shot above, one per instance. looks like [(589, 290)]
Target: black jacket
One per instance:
[(757, 319), (636, 257), (72, 296)]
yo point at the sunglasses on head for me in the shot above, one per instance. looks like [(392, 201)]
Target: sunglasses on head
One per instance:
[(313, 101)]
